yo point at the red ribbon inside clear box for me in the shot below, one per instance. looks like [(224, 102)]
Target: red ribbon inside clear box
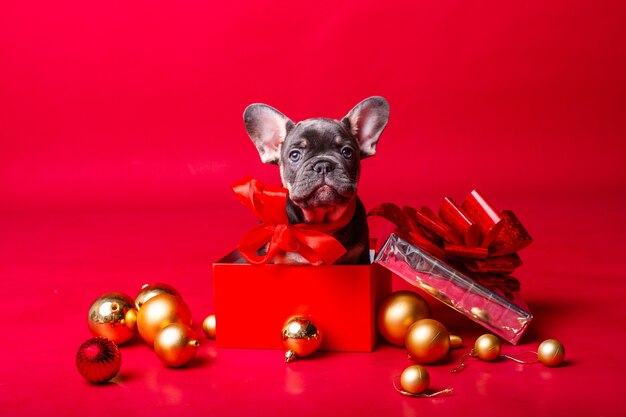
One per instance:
[(474, 236)]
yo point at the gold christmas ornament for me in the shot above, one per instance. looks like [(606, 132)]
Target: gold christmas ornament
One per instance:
[(551, 352), (398, 312), (112, 316), (158, 312), (487, 347), (208, 326), (427, 341), (415, 379), (301, 338), (455, 341), (150, 290), (176, 344)]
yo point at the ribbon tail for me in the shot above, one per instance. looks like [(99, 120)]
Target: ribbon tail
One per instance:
[(255, 240)]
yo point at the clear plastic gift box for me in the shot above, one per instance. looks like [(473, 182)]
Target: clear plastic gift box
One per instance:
[(502, 312)]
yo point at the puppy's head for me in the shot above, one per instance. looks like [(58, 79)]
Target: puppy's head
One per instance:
[(319, 158)]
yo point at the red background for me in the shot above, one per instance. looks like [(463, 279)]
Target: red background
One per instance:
[(121, 129)]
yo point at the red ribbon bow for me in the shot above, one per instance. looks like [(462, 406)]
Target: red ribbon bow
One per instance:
[(312, 241), (475, 235)]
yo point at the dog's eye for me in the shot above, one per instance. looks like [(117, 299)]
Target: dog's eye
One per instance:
[(295, 155), (347, 152)]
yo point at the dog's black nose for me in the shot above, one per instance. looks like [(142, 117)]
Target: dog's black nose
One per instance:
[(323, 167)]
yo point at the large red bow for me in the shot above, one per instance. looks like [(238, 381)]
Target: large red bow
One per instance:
[(312, 241), (474, 235)]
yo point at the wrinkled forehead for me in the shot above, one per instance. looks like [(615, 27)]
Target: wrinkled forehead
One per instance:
[(321, 129)]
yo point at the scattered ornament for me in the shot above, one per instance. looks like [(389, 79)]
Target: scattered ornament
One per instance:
[(455, 341), (488, 348), (427, 341), (398, 312), (301, 338), (551, 352), (208, 326), (98, 360), (112, 315), (150, 290), (176, 344), (415, 380), (158, 312)]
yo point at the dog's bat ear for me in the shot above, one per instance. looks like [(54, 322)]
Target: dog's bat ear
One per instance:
[(267, 127), (366, 121)]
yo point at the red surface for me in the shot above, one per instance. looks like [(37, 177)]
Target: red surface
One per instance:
[(252, 301), (121, 130)]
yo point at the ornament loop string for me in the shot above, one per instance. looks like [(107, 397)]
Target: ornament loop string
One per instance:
[(431, 395), (514, 359), (464, 358)]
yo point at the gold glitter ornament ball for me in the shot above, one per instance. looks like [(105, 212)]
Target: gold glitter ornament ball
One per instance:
[(150, 290), (551, 352), (208, 326), (427, 341), (301, 338), (160, 311), (397, 313), (415, 379), (176, 345), (112, 315), (487, 347)]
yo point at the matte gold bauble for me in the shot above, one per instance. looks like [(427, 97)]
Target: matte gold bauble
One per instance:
[(427, 341), (455, 341), (398, 312), (551, 352), (487, 347), (208, 326), (415, 379), (300, 337), (150, 290), (176, 344), (112, 316), (158, 312)]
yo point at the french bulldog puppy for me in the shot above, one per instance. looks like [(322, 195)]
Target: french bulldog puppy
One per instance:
[(320, 162)]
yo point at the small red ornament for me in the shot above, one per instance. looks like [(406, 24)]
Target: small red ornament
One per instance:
[(98, 360)]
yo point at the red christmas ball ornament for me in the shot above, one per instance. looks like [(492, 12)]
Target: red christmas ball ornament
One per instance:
[(98, 360)]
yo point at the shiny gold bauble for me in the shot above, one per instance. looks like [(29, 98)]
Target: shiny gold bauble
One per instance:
[(150, 290), (300, 337), (487, 347), (427, 341), (415, 379), (112, 315), (158, 312), (551, 352), (176, 344), (208, 326), (398, 312)]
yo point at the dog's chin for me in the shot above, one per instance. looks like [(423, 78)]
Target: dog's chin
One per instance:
[(324, 196)]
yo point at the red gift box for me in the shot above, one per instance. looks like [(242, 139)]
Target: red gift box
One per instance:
[(253, 302)]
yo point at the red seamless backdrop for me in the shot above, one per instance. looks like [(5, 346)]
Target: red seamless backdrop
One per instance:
[(142, 101), (121, 130)]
